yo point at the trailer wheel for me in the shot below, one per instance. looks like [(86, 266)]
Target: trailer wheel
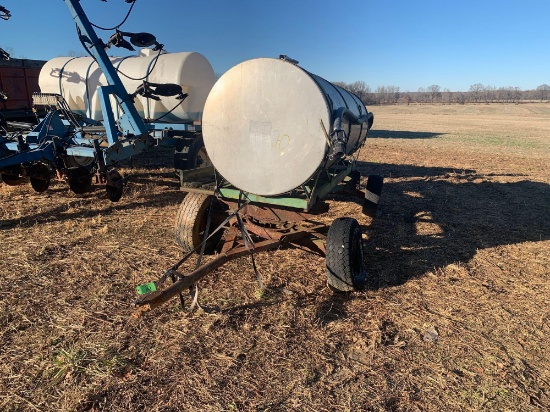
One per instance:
[(345, 264), (191, 222)]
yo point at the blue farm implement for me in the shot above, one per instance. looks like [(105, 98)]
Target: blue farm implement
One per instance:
[(70, 145)]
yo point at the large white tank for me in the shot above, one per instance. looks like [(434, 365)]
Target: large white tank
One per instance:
[(267, 124), (77, 80)]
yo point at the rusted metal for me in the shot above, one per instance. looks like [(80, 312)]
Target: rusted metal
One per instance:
[(19, 80), (266, 213), (269, 227), (155, 299), (307, 234)]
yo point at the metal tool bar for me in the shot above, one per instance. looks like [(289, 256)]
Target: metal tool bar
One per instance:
[(131, 117)]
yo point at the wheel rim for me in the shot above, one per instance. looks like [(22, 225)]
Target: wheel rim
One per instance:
[(357, 253)]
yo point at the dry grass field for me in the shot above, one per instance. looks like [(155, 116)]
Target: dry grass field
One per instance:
[(456, 315)]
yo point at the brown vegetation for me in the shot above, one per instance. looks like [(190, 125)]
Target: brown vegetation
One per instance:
[(455, 316)]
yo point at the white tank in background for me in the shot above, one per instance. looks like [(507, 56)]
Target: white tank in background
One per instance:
[(78, 78), (267, 124)]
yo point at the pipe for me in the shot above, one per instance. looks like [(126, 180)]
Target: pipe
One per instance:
[(339, 138)]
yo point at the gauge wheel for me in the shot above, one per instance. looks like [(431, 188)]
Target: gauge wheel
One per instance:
[(80, 184)]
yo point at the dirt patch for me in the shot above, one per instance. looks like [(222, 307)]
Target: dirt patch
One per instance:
[(455, 316)]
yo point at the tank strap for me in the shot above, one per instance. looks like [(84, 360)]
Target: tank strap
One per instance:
[(61, 74)]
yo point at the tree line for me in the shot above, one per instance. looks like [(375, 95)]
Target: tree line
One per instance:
[(478, 93)]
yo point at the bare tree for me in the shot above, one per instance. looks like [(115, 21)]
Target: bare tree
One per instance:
[(476, 90), (392, 94), (516, 92), (361, 89), (489, 93), (381, 95), (543, 91), (422, 95), (434, 92), (447, 96)]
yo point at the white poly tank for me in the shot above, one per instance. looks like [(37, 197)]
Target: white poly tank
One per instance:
[(78, 78), (267, 123)]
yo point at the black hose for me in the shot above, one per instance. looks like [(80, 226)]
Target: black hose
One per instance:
[(348, 114), (123, 21)]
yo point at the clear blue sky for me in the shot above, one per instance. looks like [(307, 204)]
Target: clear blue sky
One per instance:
[(405, 43)]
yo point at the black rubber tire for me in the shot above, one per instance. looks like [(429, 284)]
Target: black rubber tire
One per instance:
[(191, 222), (346, 270)]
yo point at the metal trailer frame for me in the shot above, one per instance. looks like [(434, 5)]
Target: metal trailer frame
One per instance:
[(273, 222)]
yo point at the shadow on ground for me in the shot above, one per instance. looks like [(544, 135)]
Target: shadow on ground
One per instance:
[(87, 208), (436, 216), (402, 134), (431, 217)]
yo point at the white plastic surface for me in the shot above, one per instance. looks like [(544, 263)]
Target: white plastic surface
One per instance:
[(262, 126), (77, 80)]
